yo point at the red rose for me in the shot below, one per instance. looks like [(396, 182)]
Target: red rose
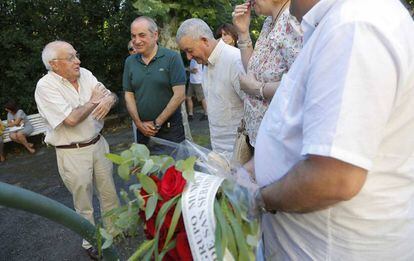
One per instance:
[(183, 248), (172, 184), (172, 255)]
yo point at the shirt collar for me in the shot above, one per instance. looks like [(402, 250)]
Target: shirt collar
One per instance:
[(314, 16), (160, 53), (216, 53), (57, 76)]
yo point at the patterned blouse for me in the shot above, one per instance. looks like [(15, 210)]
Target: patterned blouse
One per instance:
[(276, 49)]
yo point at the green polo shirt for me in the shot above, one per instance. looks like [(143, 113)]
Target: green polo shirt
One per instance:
[(152, 83)]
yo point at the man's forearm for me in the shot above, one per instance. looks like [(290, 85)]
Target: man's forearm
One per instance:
[(172, 106), (132, 107), (314, 184), (79, 114)]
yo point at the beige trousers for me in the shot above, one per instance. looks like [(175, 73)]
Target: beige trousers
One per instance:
[(81, 169)]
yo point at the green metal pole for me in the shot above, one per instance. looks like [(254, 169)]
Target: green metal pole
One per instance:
[(18, 198)]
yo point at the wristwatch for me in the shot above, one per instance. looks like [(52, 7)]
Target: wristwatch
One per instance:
[(157, 126)]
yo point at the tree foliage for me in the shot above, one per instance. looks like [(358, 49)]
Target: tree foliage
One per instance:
[(169, 14), (99, 31)]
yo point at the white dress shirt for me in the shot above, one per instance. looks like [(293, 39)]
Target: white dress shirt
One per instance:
[(222, 90), (56, 98), (350, 96)]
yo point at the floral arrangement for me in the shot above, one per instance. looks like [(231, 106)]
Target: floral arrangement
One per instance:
[(154, 202)]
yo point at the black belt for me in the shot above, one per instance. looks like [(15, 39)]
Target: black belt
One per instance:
[(79, 145)]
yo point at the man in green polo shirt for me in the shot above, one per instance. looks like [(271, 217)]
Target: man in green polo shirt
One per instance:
[(154, 84)]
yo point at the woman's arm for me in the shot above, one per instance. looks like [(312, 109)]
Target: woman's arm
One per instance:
[(241, 20), (251, 86)]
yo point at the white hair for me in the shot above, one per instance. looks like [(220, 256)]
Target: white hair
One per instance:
[(50, 52), (195, 28)]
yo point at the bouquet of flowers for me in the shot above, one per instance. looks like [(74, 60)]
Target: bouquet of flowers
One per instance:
[(187, 208)]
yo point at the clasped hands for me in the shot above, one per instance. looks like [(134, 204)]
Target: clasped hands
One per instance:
[(147, 128), (104, 100)]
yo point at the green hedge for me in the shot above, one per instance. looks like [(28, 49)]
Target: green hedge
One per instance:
[(99, 30)]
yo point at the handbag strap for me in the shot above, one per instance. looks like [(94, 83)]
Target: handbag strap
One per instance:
[(242, 127)]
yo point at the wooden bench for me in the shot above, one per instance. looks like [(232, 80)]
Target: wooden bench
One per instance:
[(38, 123)]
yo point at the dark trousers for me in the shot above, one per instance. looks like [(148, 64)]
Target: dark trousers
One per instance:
[(171, 130)]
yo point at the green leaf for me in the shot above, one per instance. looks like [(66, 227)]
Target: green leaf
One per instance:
[(189, 163), (240, 238), (174, 221), (108, 238), (135, 187), (226, 229), (149, 255), (115, 158), (179, 165), (164, 209), (189, 175), (218, 243), (167, 162), (123, 171), (142, 249), (140, 199), (148, 184), (187, 167), (124, 195), (140, 151), (150, 207), (221, 238), (170, 246), (126, 154), (148, 165)]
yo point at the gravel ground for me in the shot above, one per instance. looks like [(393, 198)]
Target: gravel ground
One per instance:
[(25, 236)]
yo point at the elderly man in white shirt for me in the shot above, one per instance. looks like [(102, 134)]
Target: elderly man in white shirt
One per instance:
[(74, 103), (335, 151), (220, 81)]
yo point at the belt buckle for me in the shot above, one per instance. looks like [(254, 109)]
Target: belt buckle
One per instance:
[(77, 145)]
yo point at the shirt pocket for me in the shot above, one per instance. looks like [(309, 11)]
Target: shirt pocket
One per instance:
[(278, 113)]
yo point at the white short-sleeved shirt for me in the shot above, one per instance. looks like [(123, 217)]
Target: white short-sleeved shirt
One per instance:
[(223, 95), (349, 95), (56, 98)]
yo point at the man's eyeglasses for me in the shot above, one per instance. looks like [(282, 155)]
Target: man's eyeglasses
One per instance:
[(71, 58)]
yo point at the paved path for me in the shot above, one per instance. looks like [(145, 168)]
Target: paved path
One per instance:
[(25, 236)]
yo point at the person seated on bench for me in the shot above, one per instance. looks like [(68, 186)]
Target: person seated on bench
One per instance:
[(2, 128), (17, 118)]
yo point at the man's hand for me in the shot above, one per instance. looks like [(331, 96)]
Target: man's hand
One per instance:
[(97, 94), (241, 19), (147, 128), (250, 85), (103, 107)]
